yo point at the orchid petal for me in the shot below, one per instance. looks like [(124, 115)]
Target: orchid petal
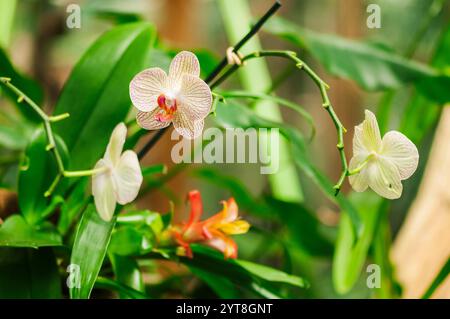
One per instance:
[(183, 63), (103, 192), (358, 181), (115, 145), (384, 178), (367, 135), (195, 98), (148, 121), (186, 127), (145, 88), (398, 149), (127, 177)]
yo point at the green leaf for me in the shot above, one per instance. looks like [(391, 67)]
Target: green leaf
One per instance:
[(73, 205), (131, 241), (350, 252), (15, 232), (127, 273), (253, 277), (29, 273), (96, 94), (12, 138), (38, 169), (28, 86), (140, 218), (271, 274), (370, 66), (89, 250), (421, 114), (441, 276), (223, 287)]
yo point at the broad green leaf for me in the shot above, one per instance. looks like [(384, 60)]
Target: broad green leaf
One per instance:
[(381, 247), (29, 273), (89, 250), (11, 138), (36, 174), (372, 67), (152, 220), (74, 204), (28, 86), (350, 252), (96, 94), (126, 271), (422, 114), (271, 274), (131, 241), (441, 276), (226, 116), (256, 278), (223, 287), (15, 232)]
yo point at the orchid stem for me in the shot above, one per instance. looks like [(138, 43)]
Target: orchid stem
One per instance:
[(88, 172), (323, 87), (51, 146)]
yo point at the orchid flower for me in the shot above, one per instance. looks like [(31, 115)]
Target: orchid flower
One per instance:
[(213, 232), (180, 97), (118, 176), (381, 164)]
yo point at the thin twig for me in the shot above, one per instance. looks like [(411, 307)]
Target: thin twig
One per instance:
[(323, 87)]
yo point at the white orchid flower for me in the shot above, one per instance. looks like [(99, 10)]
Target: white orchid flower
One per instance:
[(181, 97), (119, 175), (381, 164)]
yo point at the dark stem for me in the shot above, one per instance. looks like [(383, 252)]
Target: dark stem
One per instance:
[(244, 40), (155, 138)]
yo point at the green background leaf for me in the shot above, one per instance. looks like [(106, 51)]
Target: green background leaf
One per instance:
[(96, 94), (89, 250), (29, 273)]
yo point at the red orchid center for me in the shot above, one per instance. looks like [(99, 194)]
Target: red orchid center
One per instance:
[(168, 106)]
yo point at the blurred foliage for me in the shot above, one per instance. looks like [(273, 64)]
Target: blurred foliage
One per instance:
[(296, 248)]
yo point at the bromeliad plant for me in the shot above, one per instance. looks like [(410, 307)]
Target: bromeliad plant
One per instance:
[(90, 144)]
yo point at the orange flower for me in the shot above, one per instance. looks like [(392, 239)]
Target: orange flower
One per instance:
[(213, 231)]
